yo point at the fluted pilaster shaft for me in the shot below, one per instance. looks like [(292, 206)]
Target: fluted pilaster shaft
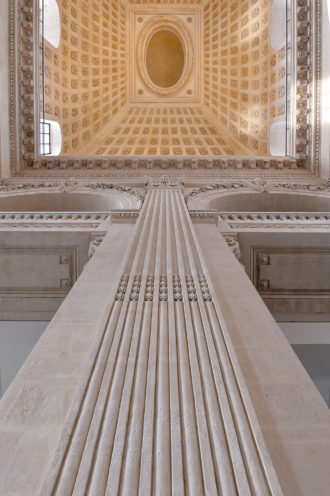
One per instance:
[(163, 408)]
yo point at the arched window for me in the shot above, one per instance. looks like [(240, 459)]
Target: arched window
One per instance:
[(50, 137), (277, 24), (50, 15)]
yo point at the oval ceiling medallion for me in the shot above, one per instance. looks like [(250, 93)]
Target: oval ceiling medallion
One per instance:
[(164, 58), (165, 55)]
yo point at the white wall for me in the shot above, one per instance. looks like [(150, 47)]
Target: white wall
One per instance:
[(306, 332), (17, 338), (316, 360)]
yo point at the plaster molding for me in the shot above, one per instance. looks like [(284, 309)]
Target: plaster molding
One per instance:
[(192, 175), (274, 216), (271, 282), (90, 221), (95, 241), (59, 255), (281, 221), (168, 162), (170, 23), (104, 186), (9, 186), (233, 243), (164, 182), (281, 227)]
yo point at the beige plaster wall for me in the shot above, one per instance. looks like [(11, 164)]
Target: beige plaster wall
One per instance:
[(236, 68)]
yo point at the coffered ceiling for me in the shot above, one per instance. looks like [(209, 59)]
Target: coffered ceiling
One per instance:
[(99, 85)]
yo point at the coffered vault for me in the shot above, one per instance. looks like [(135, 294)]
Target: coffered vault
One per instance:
[(232, 85)]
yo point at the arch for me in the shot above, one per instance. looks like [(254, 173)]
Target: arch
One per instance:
[(256, 201), (46, 201), (52, 21)]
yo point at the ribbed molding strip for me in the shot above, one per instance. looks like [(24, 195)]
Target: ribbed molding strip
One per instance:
[(162, 408)]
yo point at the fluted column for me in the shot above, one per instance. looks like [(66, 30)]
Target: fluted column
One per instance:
[(163, 408)]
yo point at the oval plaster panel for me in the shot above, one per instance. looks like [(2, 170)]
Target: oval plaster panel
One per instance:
[(178, 30), (165, 58)]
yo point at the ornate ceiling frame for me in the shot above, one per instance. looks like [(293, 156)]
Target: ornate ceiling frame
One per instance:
[(24, 104), (176, 26)]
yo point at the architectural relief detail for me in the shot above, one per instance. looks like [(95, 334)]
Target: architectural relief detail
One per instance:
[(275, 220), (124, 214), (295, 281), (191, 289), (135, 291), (233, 243), (58, 220), (213, 187), (44, 226), (206, 294), (303, 187), (149, 291), (261, 185), (163, 288), (177, 288), (121, 291), (168, 23), (96, 240), (7, 186), (274, 216), (175, 357), (57, 271), (54, 216), (204, 214), (164, 182), (169, 162), (115, 187), (67, 186), (276, 226)]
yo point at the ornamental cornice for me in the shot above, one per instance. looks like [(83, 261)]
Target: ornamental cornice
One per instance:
[(90, 221), (245, 221), (189, 175)]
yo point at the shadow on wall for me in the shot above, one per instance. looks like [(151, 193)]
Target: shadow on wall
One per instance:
[(62, 202), (17, 338)]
